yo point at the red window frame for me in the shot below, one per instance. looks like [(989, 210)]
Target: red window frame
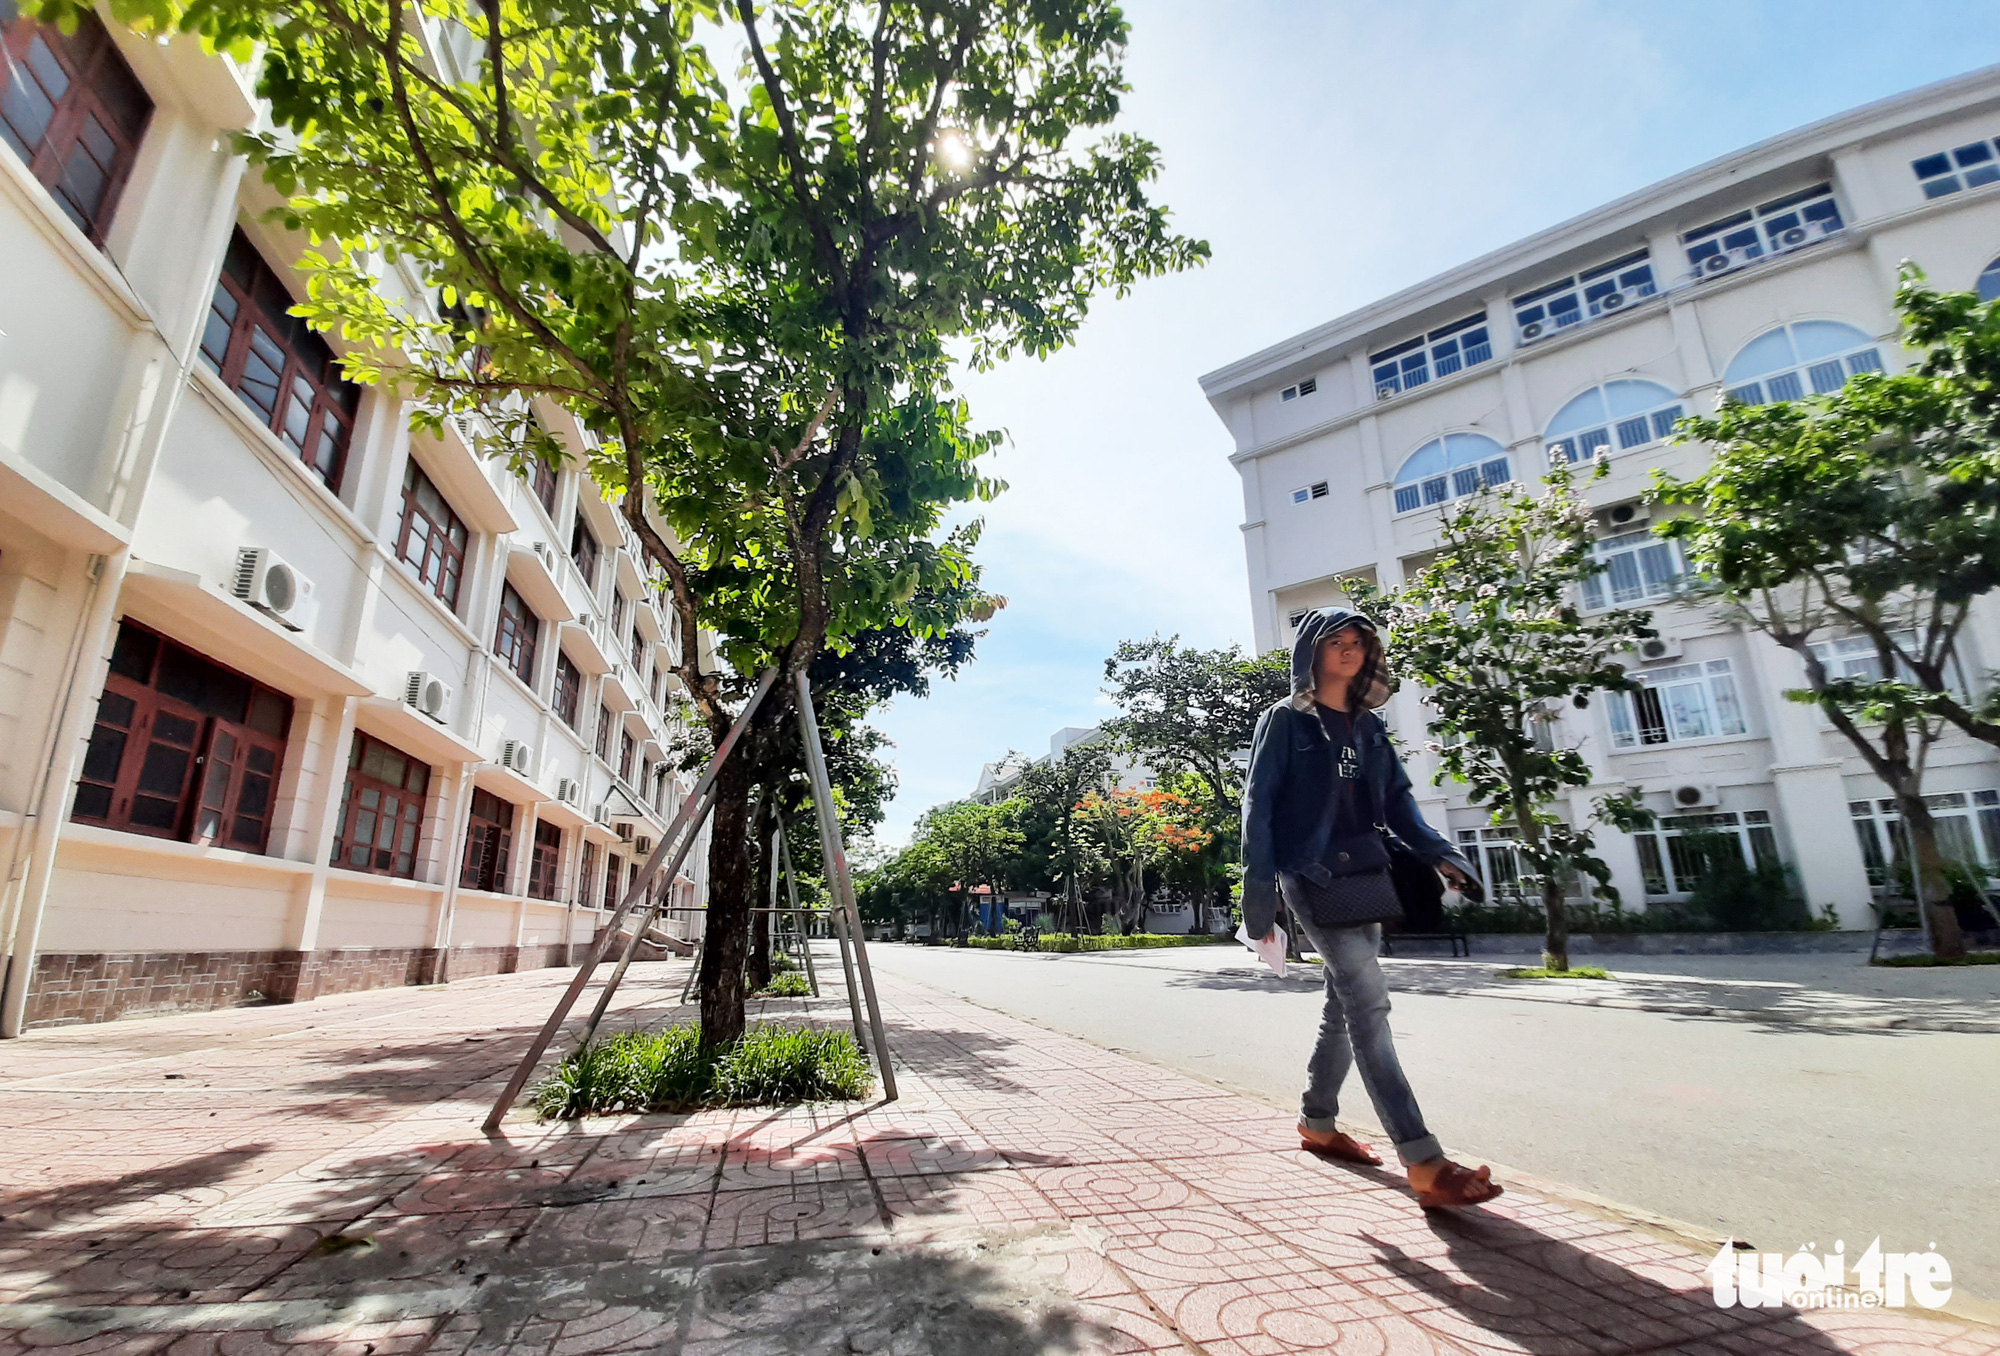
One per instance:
[(74, 112), (586, 868), (583, 550), (183, 747), (627, 746), (381, 809), (638, 655), (282, 371), (569, 690), (432, 537), (515, 634), (604, 733), (547, 857), (489, 831), (611, 890)]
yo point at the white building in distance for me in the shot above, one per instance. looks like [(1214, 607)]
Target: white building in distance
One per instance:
[(291, 701), (998, 780), (1760, 276)]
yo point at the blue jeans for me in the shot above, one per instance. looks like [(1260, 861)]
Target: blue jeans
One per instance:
[(1355, 1030)]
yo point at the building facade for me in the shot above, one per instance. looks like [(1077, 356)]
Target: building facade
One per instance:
[(292, 701), (1761, 276)]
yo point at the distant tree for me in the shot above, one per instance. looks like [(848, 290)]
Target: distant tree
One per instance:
[(1492, 631), (1870, 515), (1059, 851), (1190, 712), (975, 845)]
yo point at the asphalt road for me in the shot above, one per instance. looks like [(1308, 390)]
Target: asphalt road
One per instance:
[(1774, 1132)]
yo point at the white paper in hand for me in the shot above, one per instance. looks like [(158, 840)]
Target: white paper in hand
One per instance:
[(1271, 950)]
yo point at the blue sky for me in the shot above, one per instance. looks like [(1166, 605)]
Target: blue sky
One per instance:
[(1332, 153)]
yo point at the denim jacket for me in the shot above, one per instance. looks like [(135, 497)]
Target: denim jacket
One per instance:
[(1290, 784)]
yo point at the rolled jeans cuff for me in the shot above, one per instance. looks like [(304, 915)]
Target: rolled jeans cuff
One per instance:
[(1415, 1151)]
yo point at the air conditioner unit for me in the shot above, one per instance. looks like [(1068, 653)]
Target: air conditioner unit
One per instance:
[(1621, 516), (601, 812), (547, 555), (624, 831), (428, 693), (568, 789), (1659, 649), (1792, 237), (1727, 261), (1386, 391), (1694, 796), (642, 847), (1619, 300), (1536, 330), (518, 755), (267, 583)]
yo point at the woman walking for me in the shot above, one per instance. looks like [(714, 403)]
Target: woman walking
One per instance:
[(1323, 777)]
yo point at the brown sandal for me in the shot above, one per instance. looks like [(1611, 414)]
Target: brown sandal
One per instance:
[(1455, 1185), (1333, 1144)]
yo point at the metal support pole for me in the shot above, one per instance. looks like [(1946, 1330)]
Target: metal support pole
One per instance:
[(646, 920), (837, 878), (694, 971), (798, 918), (633, 894)]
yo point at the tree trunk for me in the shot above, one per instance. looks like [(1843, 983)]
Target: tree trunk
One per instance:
[(731, 889), (1928, 878), (1555, 940)]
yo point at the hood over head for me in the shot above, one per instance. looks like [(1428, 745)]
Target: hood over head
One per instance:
[(1372, 685)]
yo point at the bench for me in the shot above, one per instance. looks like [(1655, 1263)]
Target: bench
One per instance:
[(1461, 943)]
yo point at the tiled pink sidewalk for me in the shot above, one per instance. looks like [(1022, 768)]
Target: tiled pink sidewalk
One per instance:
[(312, 1179)]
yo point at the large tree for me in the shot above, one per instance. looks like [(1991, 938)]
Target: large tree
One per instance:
[(1492, 630), (1061, 852), (1857, 529), (743, 276), (1191, 712)]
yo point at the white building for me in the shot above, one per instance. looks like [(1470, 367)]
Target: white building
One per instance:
[(998, 780), (1761, 275), (291, 701)]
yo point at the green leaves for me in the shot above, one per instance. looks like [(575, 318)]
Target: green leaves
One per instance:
[(1491, 630), (1872, 510)]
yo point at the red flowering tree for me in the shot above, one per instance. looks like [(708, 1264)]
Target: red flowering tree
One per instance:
[(1141, 830)]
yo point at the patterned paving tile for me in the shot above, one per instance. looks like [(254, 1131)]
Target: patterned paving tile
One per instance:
[(1046, 1191)]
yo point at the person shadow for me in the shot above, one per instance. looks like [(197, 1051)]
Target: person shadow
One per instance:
[(1493, 1281)]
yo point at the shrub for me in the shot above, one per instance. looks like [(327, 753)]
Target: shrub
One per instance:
[(774, 1065), (790, 984), (669, 1071)]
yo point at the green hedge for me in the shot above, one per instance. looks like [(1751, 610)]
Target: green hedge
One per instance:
[(1069, 941)]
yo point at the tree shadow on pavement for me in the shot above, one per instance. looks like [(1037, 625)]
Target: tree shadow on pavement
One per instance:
[(1772, 1008)]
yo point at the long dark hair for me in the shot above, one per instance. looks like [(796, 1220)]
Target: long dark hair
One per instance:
[(1367, 680)]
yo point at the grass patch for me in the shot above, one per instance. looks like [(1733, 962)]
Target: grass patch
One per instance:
[(790, 984), (668, 1070), (1069, 941), (1543, 972), (1969, 958)]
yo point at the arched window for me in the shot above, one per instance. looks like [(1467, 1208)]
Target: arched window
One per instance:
[(1613, 417), (1781, 364), (1448, 467), (1989, 282)]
